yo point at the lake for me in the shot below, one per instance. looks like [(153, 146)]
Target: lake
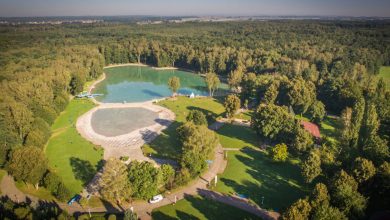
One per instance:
[(141, 83)]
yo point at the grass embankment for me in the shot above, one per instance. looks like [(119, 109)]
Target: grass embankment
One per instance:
[(72, 157), (253, 174), (195, 207), (166, 145), (2, 174), (384, 73)]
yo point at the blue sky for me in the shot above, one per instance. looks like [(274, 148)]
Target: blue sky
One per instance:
[(199, 7)]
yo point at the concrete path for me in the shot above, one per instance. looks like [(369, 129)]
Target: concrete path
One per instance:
[(127, 144), (9, 189)]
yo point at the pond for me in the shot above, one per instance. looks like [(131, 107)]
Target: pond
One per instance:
[(141, 83)]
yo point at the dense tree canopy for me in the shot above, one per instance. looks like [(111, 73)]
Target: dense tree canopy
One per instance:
[(307, 67), (28, 164), (114, 181)]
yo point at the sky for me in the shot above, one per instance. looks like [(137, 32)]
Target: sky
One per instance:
[(26, 8)]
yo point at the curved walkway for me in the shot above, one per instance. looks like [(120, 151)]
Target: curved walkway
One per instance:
[(128, 144), (144, 209)]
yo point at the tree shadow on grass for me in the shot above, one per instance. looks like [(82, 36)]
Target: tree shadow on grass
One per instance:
[(279, 183), (161, 216), (245, 134), (216, 210), (210, 116), (167, 144), (83, 169)]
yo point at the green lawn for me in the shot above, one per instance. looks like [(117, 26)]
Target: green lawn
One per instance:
[(2, 174), (245, 115), (234, 136), (200, 208), (253, 174), (385, 74), (166, 145), (330, 128), (71, 156)]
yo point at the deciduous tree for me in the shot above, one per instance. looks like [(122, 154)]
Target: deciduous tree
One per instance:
[(174, 84), (279, 152), (28, 164), (212, 82), (114, 182), (232, 104)]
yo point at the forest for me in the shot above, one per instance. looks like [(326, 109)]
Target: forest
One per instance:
[(306, 67)]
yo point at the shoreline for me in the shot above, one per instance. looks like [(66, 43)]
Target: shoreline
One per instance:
[(153, 67)]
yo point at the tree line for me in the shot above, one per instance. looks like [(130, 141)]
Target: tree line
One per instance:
[(281, 68)]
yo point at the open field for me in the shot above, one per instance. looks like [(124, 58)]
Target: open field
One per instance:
[(235, 136), (385, 74), (195, 207), (72, 157), (166, 145), (253, 174)]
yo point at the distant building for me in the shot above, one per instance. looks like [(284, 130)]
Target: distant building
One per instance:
[(312, 129)]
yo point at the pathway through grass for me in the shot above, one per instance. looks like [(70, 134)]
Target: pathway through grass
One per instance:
[(195, 207), (253, 174)]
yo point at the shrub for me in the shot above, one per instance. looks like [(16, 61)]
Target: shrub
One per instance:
[(279, 152), (197, 117), (63, 193)]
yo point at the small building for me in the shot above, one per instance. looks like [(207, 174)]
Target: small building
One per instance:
[(312, 128), (192, 95)]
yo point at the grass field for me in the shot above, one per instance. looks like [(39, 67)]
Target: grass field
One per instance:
[(234, 136), (2, 174), (330, 128), (385, 74), (71, 156), (166, 145), (252, 173), (200, 208)]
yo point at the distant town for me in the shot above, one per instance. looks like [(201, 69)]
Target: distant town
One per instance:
[(143, 20)]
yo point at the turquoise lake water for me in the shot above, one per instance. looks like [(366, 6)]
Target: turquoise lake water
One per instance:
[(138, 84)]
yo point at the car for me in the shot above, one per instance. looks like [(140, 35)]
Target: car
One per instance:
[(156, 199), (75, 198)]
